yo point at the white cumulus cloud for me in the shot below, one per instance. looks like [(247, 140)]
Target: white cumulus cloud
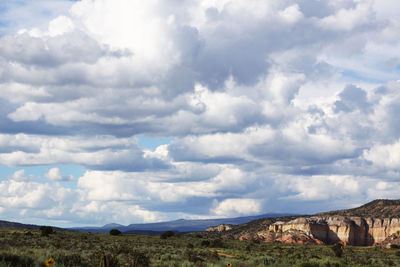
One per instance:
[(235, 207), (285, 106)]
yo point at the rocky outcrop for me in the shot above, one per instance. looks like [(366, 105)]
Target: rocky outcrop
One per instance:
[(290, 236), (219, 228), (355, 231)]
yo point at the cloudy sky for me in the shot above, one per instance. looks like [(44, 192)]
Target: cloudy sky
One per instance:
[(135, 111)]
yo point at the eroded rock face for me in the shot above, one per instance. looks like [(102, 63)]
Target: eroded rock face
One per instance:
[(290, 236), (356, 231), (219, 228)]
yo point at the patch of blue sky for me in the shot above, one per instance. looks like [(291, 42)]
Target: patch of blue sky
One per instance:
[(3, 28), (351, 76), (39, 172), (28, 14), (3, 23), (146, 142)]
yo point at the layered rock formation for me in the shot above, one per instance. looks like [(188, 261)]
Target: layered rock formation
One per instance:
[(374, 223), (219, 228), (355, 231)]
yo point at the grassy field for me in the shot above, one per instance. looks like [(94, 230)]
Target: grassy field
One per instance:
[(30, 248)]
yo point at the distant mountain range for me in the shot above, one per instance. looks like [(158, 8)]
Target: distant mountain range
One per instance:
[(7, 224), (181, 225), (380, 208)]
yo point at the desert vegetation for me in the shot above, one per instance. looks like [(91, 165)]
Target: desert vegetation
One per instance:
[(19, 247)]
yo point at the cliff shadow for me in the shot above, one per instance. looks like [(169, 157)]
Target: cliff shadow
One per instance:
[(359, 235), (333, 238), (325, 234), (356, 236)]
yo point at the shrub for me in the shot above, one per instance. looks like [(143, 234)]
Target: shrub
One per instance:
[(69, 260), (109, 261), (394, 246), (115, 232), (167, 234), (16, 260), (192, 256), (187, 264), (337, 249), (262, 261), (166, 257), (139, 259), (309, 264), (212, 256), (217, 243), (29, 233), (46, 230), (205, 243)]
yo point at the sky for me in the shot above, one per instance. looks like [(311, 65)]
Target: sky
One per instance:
[(134, 111)]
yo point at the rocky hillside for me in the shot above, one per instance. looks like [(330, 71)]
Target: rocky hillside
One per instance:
[(7, 224), (375, 223), (355, 231), (380, 208)]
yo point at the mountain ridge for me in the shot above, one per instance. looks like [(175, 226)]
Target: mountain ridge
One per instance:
[(181, 225), (378, 208)]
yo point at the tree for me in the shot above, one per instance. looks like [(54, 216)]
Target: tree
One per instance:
[(46, 230), (115, 232), (167, 234)]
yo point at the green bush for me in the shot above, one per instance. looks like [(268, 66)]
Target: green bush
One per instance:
[(337, 250), (192, 256), (29, 233), (69, 260), (46, 230), (167, 234), (109, 261), (205, 243), (211, 256), (166, 257), (309, 264), (187, 264), (217, 243), (16, 260), (115, 232), (262, 260), (139, 259)]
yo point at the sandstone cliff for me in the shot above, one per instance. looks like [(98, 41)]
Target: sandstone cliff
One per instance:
[(219, 228), (374, 223), (355, 231)]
